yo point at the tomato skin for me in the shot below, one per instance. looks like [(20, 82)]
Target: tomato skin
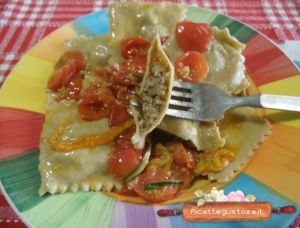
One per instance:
[(72, 88), (61, 76), (70, 63), (158, 195), (123, 161), (182, 154), (130, 71), (96, 103), (192, 36), (134, 47), (182, 173), (103, 73), (124, 139), (128, 191), (191, 67), (118, 115), (75, 56)]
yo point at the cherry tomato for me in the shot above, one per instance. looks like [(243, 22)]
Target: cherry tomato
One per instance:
[(192, 36), (134, 47), (118, 115), (72, 88), (181, 172), (75, 56), (128, 191), (62, 75), (182, 155), (124, 139), (103, 73), (158, 195), (96, 103), (130, 72), (123, 161), (191, 67), (122, 93), (69, 63)]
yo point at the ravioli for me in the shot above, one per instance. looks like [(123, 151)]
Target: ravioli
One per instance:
[(82, 134), (81, 169)]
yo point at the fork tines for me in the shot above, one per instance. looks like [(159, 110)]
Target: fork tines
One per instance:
[(181, 103)]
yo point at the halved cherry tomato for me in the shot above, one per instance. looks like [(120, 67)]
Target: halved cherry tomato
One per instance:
[(124, 139), (103, 73), (69, 63), (131, 71), (181, 172), (62, 75), (192, 36), (128, 191), (191, 67), (118, 115), (96, 103), (72, 88), (75, 56), (123, 161), (134, 47), (122, 93), (182, 155), (161, 193)]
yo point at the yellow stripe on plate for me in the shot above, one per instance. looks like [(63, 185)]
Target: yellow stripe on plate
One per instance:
[(276, 163), (25, 87), (289, 87), (52, 46)]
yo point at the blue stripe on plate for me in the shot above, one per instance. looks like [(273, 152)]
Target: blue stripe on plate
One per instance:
[(92, 24), (248, 185), (297, 63)]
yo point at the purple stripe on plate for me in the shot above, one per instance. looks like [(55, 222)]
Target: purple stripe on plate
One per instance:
[(139, 216), (133, 216)]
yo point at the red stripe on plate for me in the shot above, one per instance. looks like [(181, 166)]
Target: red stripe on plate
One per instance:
[(19, 131), (266, 63)]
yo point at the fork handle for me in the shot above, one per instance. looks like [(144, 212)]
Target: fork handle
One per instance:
[(270, 101)]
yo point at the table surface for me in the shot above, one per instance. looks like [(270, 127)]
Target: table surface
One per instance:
[(24, 23)]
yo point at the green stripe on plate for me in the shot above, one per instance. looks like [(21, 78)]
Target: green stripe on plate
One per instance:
[(200, 15), (242, 32), (21, 179), (83, 209)]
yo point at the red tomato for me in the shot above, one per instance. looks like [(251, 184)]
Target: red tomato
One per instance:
[(75, 56), (72, 88), (118, 115), (182, 155), (124, 139), (128, 191), (96, 103), (103, 73), (181, 172), (192, 36), (123, 161), (62, 75), (130, 72), (134, 47), (69, 63), (191, 67), (158, 195), (122, 93)]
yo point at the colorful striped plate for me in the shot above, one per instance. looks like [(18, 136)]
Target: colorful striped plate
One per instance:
[(273, 174)]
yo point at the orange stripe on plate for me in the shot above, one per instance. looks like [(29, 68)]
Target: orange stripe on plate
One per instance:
[(266, 63), (19, 131), (276, 163)]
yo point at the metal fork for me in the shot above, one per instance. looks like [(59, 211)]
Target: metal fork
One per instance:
[(206, 102)]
